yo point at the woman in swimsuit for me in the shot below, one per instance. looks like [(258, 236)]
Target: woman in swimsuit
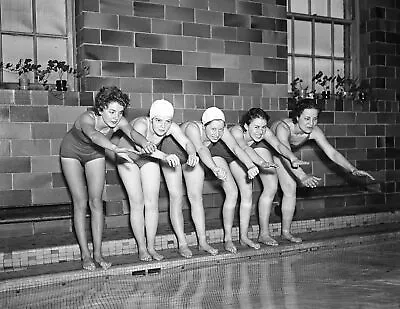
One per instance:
[(256, 139), (142, 179), (216, 148), (82, 154), (294, 132)]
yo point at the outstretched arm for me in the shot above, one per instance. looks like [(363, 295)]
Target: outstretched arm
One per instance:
[(335, 155), (136, 136), (283, 135), (282, 149), (184, 141), (230, 141), (193, 133)]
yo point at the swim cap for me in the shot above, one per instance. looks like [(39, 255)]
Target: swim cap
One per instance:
[(161, 108), (212, 113)]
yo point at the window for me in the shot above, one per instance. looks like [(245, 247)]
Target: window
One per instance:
[(319, 33), (35, 29)]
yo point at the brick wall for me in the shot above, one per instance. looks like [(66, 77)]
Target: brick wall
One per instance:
[(198, 53)]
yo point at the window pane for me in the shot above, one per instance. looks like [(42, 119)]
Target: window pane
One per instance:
[(289, 35), (319, 7), (51, 16), (302, 37), (290, 78), (322, 39), (323, 65), (337, 8), (50, 48), (339, 40), (15, 48), (299, 6), (302, 67), (16, 15)]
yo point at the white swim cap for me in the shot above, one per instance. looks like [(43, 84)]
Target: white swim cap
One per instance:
[(212, 113), (161, 108)]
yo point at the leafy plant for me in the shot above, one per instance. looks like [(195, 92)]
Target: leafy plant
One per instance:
[(353, 88), (297, 88), (21, 67)]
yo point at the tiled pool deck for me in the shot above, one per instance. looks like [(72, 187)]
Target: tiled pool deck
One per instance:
[(40, 264)]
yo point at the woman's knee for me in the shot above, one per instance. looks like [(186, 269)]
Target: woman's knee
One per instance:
[(289, 188), (96, 204)]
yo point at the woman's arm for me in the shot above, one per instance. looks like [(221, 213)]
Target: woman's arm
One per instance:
[(282, 149), (193, 133), (335, 155), (237, 133), (136, 136), (184, 141), (230, 141)]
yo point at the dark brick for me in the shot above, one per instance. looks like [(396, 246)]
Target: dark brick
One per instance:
[(237, 48), (167, 86), (135, 24), (136, 85), (118, 69), (377, 59), (216, 74), (273, 64), (377, 36), (375, 153), (101, 21), (250, 8), (281, 51), (200, 4), (166, 56), (151, 70), (219, 88), (15, 165), (95, 83), (98, 52), (196, 30), (224, 33), (148, 10), (179, 13), (281, 25), (89, 5), (236, 20), (192, 87), (150, 40), (249, 35), (117, 7), (263, 77), (263, 23), (222, 5), (28, 114), (91, 36), (15, 198), (5, 114)]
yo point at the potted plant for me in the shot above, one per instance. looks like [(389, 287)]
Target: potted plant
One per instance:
[(347, 87), (23, 67), (63, 70), (324, 81), (298, 90)]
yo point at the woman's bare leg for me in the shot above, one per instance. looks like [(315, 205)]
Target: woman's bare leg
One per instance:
[(194, 178), (228, 209), (173, 179), (246, 200), (269, 181), (75, 176), (95, 175), (150, 176), (130, 175), (288, 186)]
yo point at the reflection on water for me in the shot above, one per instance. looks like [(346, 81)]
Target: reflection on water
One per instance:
[(357, 277)]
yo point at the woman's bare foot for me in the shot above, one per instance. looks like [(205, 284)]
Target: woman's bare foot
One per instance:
[(88, 264), (155, 255), (185, 252), (102, 262), (247, 242), (267, 240), (206, 247), (144, 256), (229, 246), (291, 238)]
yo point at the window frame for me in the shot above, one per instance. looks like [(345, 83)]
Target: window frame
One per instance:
[(69, 37), (350, 57)]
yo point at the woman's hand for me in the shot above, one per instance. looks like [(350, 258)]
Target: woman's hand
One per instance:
[(220, 173), (295, 163), (123, 153), (266, 165), (172, 160), (310, 181), (252, 172), (360, 173), (192, 160), (149, 147)]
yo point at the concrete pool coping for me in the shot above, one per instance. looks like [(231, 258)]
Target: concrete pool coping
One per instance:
[(65, 272)]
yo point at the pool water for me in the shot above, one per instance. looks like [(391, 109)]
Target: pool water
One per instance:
[(364, 276)]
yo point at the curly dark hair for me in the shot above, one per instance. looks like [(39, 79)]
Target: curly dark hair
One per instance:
[(109, 94), (253, 113), (301, 106)]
